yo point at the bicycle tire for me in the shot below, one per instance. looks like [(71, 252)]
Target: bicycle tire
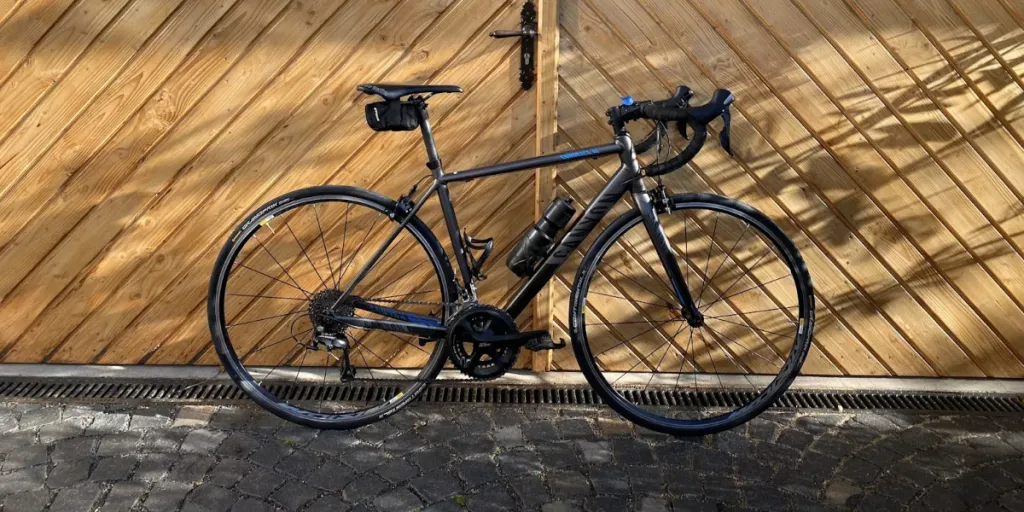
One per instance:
[(226, 352), (590, 366)]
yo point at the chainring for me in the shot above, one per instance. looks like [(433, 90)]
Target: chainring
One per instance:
[(481, 361)]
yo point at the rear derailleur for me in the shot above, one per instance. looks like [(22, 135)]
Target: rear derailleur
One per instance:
[(332, 342), (331, 334)]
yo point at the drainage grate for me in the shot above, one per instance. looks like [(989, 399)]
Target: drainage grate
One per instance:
[(108, 391)]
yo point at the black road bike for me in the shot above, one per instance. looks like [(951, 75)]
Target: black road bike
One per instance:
[(334, 307)]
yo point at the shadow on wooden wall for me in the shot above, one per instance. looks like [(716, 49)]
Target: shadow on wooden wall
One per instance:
[(884, 135)]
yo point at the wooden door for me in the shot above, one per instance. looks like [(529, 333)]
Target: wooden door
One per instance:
[(883, 136), (135, 135)]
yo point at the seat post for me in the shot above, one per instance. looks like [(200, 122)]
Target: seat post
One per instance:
[(433, 160)]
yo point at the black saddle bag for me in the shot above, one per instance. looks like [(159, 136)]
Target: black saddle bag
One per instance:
[(392, 116)]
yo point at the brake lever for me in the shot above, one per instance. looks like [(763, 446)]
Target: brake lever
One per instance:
[(724, 136)]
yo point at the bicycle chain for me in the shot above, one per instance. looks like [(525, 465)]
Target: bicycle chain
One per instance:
[(417, 302)]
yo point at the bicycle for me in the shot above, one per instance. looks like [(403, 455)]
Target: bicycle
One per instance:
[(376, 331)]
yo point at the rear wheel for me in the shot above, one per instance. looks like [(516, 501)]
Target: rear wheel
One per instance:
[(645, 359), (275, 290)]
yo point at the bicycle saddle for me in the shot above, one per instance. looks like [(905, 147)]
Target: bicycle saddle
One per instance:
[(393, 92)]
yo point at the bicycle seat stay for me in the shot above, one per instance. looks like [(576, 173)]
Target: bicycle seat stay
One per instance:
[(393, 92)]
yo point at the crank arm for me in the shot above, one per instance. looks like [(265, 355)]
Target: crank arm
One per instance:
[(519, 339)]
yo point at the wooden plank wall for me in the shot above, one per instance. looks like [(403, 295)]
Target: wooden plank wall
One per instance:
[(885, 136), (134, 134)]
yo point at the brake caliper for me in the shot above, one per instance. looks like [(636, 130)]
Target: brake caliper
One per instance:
[(660, 199)]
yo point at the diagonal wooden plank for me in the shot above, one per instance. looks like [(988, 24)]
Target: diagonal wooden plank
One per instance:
[(588, 186), (217, 55), (494, 137), (937, 79), (51, 58), (97, 68), (803, 150), (995, 27), (926, 275), (123, 99), (498, 87), (261, 70), (23, 29), (742, 133), (967, 53), (340, 120), (883, 235), (959, 264)]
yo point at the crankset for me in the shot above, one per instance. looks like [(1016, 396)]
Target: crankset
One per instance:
[(471, 353), (485, 341)]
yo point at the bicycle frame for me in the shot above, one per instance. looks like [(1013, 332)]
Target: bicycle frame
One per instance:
[(626, 179)]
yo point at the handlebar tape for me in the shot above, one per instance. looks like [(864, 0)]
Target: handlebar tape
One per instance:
[(680, 99), (701, 115)]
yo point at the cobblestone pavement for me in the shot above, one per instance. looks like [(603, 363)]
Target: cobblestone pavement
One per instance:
[(450, 458)]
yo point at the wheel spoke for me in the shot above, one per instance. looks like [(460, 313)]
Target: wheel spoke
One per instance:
[(756, 287), (632, 300), (323, 241), (758, 329), (247, 322), (642, 360), (363, 241), (711, 250), (735, 363), (725, 257), (634, 337), (264, 297), (711, 356), (304, 292), (286, 358), (278, 342), (662, 360), (744, 274), (400, 276), (276, 354), (730, 338), (344, 237), (385, 361), (296, 283), (640, 285), (306, 254), (782, 309)]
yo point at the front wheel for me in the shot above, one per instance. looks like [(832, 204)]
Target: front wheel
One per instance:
[(649, 363)]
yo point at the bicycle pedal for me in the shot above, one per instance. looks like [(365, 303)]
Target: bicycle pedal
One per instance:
[(544, 342)]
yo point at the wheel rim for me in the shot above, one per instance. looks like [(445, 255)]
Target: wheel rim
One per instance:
[(310, 248), (748, 283)]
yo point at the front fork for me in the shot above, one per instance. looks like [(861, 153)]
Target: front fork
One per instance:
[(649, 212)]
